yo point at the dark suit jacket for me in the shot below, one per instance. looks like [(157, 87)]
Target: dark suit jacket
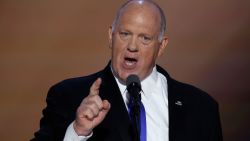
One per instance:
[(195, 119)]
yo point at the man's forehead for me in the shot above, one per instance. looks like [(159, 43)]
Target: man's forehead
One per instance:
[(140, 6), (146, 9)]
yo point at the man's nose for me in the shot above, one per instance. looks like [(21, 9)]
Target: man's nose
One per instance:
[(132, 45)]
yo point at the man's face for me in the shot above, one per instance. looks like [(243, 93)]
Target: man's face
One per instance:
[(134, 42)]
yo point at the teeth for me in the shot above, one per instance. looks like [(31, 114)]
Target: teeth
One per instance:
[(129, 63)]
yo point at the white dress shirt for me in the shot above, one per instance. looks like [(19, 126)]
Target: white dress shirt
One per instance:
[(155, 100)]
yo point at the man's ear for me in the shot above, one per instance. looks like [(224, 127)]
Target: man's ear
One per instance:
[(163, 45), (110, 36)]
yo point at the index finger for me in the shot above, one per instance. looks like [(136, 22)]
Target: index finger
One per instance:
[(94, 89)]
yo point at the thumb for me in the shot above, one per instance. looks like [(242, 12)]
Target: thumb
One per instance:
[(106, 105), (105, 109)]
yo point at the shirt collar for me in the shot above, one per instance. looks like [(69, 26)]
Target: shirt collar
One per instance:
[(152, 77), (150, 80)]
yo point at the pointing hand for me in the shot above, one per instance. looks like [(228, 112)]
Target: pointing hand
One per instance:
[(91, 111)]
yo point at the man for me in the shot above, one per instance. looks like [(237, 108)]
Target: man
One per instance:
[(94, 107)]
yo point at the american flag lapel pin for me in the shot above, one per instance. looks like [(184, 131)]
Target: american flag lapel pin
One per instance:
[(179, 103)]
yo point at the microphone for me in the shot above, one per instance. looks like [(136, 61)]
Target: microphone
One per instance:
[(134, 88)]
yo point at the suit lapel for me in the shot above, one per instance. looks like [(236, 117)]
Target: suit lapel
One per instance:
[(177, 114), (177, 109), (119, 116), (118, 113)]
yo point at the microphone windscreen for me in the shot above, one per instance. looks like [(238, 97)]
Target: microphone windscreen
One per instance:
[(133, 79)]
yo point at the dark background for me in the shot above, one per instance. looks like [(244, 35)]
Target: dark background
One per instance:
[(45, 41)]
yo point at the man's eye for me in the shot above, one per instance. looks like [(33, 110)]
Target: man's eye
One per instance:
[(147, 38), (124, 33)]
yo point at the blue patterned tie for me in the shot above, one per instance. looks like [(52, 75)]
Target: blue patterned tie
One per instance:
[(143, 131), (136, 108)]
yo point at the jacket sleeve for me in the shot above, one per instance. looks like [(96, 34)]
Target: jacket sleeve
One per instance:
[(56, 117)]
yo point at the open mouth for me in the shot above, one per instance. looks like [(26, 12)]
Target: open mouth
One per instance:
[(130, 62)]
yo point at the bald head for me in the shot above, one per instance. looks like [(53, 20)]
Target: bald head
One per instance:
[(139, 5)]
